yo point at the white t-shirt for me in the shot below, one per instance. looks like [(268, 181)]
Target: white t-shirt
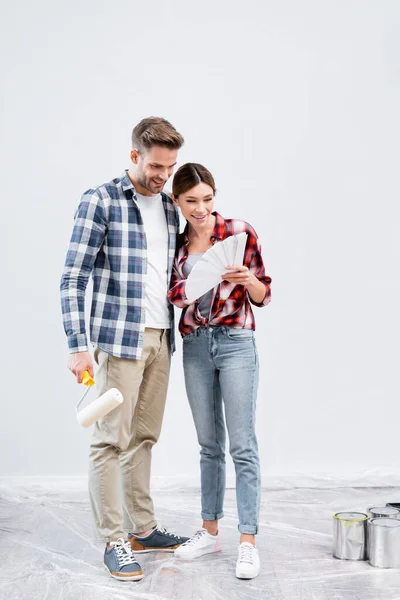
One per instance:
[(156, 288)]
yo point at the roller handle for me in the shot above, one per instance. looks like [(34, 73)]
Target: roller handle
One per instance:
[(89, 382)]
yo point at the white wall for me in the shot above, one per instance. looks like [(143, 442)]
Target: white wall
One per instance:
[(294, 106)]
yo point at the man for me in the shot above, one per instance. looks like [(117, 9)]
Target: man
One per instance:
[(124, 234)]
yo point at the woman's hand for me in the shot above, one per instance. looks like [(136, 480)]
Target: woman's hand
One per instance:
[(242, 275)]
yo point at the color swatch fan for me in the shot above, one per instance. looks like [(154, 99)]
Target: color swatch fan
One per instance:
[(207, 272)]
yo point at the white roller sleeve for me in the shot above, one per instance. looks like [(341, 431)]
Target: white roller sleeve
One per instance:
[(99, 407)]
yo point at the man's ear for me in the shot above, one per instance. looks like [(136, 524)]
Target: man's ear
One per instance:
[(135, 156)]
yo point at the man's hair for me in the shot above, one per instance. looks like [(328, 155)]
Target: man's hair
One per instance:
[(155, 131), (189, 175)]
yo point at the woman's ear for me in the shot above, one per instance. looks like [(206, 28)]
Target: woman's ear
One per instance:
[(174, 199)]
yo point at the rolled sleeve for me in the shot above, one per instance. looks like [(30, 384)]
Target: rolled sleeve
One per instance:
[(258, 269), (87, 237)]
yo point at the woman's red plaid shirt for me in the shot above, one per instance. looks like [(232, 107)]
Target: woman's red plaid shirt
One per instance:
[(231, 304)]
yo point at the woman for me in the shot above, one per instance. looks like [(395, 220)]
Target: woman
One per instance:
[(220, 364)]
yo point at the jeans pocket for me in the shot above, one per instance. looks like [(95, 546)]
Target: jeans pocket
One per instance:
[(237, 334), (96, 356), (189, 337)]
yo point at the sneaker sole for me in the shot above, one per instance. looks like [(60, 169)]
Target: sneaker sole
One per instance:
[(197, 555), (239, 576), (120, 578), (138, 548), (147, 550)]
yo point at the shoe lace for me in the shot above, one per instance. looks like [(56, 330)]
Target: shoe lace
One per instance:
[(191, 541), (124, 552), (246, 553), (164, 530)]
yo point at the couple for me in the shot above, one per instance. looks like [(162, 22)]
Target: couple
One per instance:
[(126, 234)]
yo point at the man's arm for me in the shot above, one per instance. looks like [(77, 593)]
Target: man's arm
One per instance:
[(87, 238), (177, 290)]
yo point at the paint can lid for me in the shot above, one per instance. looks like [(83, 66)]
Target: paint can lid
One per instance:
[(384, 510), (385, 522), (352, 517)]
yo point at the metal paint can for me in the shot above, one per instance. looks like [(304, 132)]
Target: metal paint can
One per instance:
[(384, 543), (384, 512), (350, 535), (381, 512)]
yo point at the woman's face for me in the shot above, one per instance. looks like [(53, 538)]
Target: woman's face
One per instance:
[(197, 205)]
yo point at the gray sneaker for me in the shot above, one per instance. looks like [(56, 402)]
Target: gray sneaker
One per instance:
[(159, 540), (120, 562)]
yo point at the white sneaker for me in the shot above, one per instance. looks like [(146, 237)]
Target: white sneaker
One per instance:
[(248, 562), (200, 543)]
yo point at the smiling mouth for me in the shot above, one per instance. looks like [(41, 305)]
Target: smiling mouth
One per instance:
[(199, 218)]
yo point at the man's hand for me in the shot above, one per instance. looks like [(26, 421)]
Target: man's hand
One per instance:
[(242, 275), (78, 362)]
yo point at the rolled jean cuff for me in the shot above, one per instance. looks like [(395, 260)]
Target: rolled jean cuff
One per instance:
[(107, 539), (210, 517), (249, 529)]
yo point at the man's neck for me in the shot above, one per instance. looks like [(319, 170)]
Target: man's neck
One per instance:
[(138, 188)]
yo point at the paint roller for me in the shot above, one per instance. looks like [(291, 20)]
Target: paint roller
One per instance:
[(99, 407)]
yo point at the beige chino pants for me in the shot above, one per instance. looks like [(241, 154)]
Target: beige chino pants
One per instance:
[(120, 452)]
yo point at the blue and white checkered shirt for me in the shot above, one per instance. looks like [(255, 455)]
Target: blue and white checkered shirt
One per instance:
[(109, 241)]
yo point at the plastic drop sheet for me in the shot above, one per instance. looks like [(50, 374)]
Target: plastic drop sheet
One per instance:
[(47, 552)]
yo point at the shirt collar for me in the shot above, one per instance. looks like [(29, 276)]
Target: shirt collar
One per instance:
[(220, 227), (126, 183)]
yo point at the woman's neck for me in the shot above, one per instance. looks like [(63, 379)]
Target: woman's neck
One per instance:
[(201, 233)]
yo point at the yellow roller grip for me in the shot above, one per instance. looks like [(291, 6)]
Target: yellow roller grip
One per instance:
[(87, 379)]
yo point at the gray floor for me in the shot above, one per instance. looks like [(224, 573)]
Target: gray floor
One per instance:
[(47, 553)]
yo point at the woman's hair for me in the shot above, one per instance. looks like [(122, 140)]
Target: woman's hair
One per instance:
[(189, 175)]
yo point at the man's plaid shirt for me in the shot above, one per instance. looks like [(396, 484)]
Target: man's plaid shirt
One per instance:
[(109, 241), (231, 303)]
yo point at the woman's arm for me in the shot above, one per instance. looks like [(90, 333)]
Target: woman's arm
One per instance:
[(254, 278)]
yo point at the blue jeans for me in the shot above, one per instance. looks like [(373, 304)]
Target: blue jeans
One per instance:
[(221, 367)]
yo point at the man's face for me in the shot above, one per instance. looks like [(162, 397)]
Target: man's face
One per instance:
[(153, 168)]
